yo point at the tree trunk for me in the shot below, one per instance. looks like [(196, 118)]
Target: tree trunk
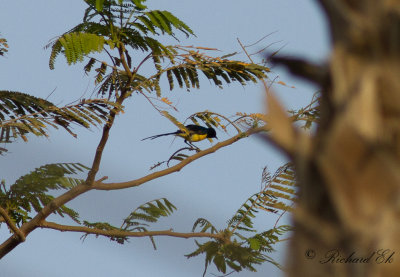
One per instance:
[(347, 221)]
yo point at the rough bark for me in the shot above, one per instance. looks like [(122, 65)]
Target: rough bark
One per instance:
[(347, 221)]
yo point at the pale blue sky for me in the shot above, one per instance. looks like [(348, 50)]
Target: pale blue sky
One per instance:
[(232, 174)]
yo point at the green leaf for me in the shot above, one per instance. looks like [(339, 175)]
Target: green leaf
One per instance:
[(32, 191), (99, 5), (219, 262), (138, 4), (148, 212), (75, 46), (254, 244), (205, 224)]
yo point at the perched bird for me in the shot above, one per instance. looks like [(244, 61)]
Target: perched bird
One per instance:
[(194, 133)]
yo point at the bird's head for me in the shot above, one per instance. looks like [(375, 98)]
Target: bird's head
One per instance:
[(212, 133)]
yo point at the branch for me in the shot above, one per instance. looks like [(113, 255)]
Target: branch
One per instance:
[(134, 183), (119, 233), (11, 224), (248, 56)]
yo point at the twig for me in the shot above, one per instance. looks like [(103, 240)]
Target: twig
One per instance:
[(50, 93), (250, 45), (179, 150), (280, 216), (151, 102), (248, 56), (269, 45)]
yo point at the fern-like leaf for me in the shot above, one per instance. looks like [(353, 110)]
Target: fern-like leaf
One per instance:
[(205, 225), (149, 212), (22, 113), (75, 46), (32, 191)]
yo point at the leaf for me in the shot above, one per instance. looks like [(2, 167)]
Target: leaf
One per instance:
[(75, 46), (139, 5), (254, 244), (99, 5), (174, 120), (31, 191), (148, 212), (22, 113), (205, 224)]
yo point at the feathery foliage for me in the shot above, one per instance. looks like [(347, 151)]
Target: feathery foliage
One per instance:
[(239, 254), (242, 246), (149, 212), (76, 46), (138, 220), (22, 113), (128, 26), (279, 191), (205, 225), (31, 191)]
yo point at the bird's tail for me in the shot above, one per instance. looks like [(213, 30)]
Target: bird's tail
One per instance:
[(161, 135)]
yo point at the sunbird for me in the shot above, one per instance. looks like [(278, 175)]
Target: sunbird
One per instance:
[(194, 133)]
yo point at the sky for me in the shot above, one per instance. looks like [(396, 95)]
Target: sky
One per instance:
[(213, 187)]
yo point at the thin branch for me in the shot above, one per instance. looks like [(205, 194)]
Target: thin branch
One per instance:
[(249, 57), (175, 168), (264, 37), (151, 102), (120, 233), (50, 93), (136, 69), (11, 224), (269, 45), (280, 216), (107, 127)]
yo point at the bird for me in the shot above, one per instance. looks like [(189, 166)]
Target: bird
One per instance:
[(194, 133)]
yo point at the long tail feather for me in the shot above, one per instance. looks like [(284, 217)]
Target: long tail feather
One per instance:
[(161, 135)]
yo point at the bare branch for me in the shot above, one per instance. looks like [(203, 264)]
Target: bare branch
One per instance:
[(11, 224), (261, 39), (120, 233)]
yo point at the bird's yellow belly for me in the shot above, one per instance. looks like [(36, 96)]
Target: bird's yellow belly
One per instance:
[(196, 137)]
